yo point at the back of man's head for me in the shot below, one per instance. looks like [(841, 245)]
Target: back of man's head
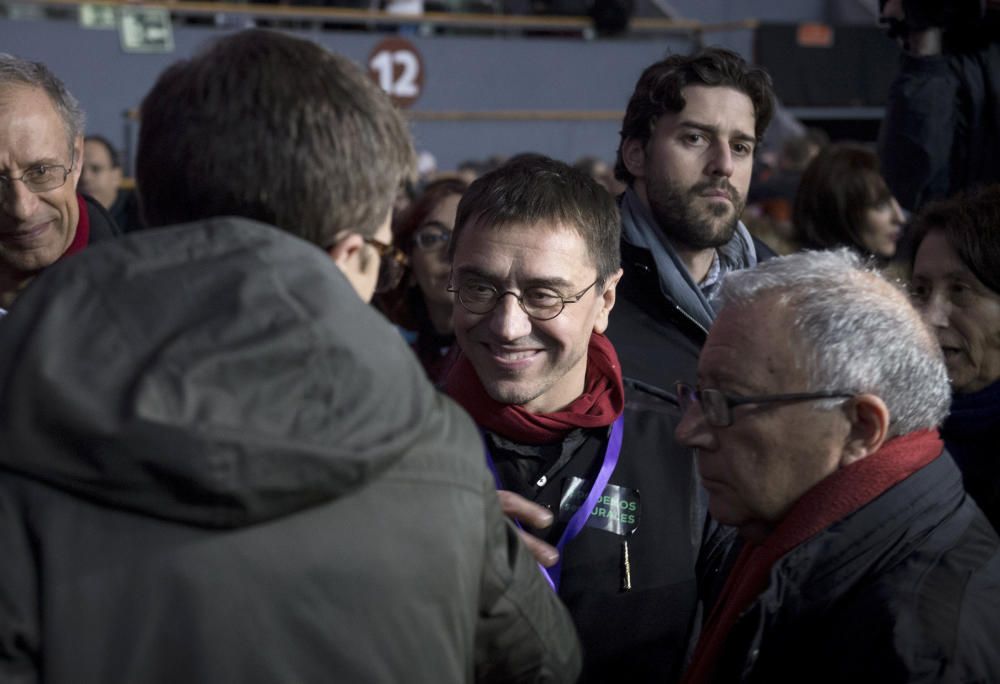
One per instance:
[(858, 331), (659, 90), (273, 128), (532, 189), (16, 72)]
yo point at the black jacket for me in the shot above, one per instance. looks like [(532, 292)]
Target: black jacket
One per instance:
[(657, 342), (207, 475), (906, 589), (639, 635), (102, 225), (940, 134)]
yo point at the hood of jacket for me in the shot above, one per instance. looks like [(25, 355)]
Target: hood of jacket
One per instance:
[(219, 373)]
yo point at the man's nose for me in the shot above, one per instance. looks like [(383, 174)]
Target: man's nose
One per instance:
[(18, 201), (508, 320), (721, 161), (692, 430)]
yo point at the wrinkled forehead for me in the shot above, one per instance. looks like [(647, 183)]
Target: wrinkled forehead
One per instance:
[(30, 123)]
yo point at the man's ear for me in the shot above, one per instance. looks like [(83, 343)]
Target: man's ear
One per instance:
[(634, 157), (346, 251), (607, 302), (869, 418), (77, 160)]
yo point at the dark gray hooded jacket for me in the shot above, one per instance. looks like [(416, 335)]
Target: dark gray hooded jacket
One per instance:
[(218, 465)]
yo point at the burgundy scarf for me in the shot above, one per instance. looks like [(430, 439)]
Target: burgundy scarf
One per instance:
[(82, 236), (832, 499), (602, 401)]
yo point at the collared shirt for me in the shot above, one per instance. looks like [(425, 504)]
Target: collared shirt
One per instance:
[(713, 277)]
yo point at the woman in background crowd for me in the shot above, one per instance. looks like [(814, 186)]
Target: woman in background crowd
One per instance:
[(422, 303), (843, 200), (956, 285)]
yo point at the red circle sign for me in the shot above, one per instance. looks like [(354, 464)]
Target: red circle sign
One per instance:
[(396, 66)]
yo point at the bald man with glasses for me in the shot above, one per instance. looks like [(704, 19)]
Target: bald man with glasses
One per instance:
[(583, 458), (42, 216)]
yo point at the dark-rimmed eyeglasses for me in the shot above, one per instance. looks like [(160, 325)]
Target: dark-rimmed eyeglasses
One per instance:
[(431, 238), (41, 178), (539, 303), (717, 406), (392, 264)]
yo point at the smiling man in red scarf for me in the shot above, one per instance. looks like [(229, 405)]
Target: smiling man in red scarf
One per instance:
[(815, 423), (583, 458)]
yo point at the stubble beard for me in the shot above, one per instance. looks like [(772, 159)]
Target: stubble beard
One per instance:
[(679, 218)]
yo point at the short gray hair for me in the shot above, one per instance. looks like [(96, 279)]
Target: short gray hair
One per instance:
[(15, 71), (860, 332)]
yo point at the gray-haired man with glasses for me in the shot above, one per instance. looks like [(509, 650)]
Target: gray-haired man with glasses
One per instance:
[(582, 457), (815, 424), (42, 217)]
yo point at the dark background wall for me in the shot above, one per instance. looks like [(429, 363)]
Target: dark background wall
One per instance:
[(500, 74), (461, 74)]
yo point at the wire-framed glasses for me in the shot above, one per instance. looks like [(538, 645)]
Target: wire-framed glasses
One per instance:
[(717, 406), (41, 178), (539, 303)]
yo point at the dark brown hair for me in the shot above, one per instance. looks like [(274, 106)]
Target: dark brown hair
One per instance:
[(970, 222), (840, 184), (532, 189), (659, 91), (273, 128)]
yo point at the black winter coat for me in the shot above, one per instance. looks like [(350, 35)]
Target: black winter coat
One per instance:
[(906, 589), (655, 502), (657, 342)]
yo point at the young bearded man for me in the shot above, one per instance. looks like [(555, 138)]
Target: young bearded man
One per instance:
[(686, 153), (578, 453)]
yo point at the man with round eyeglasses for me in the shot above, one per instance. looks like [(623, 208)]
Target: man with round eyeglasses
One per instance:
[(42, 216), (583, 458), (815, 426)]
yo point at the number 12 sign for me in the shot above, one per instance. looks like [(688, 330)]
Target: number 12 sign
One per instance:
[(396, 66)]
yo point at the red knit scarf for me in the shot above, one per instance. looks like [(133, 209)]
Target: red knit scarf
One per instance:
[(832, 499), (602, 401), (82, 236)]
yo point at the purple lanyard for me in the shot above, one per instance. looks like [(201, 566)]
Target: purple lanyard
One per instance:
[(579, 519)]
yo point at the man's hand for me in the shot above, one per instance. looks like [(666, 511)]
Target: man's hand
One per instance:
[(530, 514)]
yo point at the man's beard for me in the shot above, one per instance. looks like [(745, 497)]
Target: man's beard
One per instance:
[(677, 216)]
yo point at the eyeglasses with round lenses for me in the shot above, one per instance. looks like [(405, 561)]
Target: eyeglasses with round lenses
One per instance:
[(41, 178), (539, 303), (717, 406), (392, 264), (431, 238)]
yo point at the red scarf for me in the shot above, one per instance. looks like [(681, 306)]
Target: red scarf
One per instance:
[(832, 499), (82, 236), (602, 401)]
